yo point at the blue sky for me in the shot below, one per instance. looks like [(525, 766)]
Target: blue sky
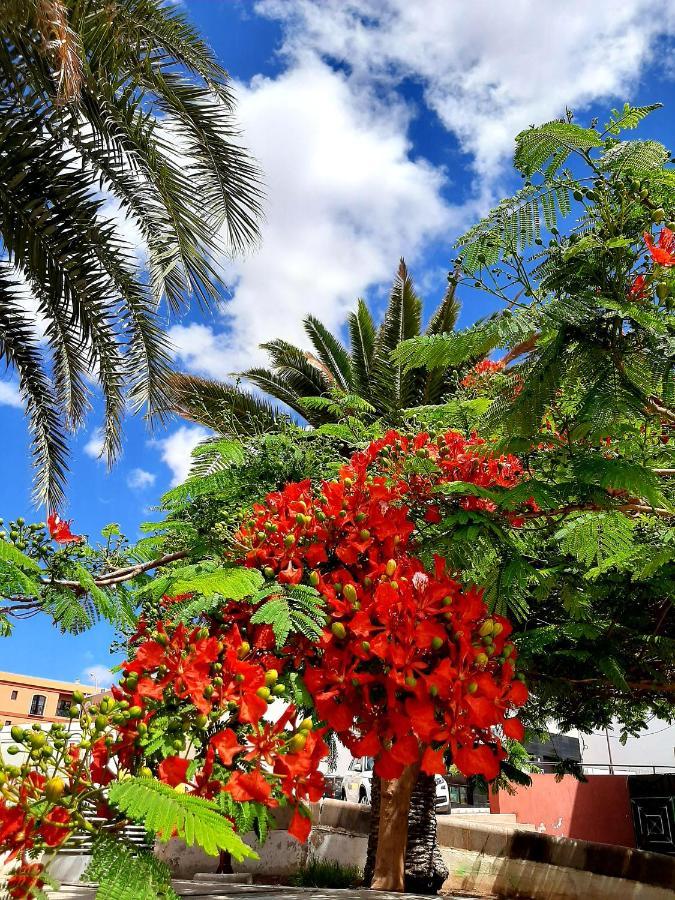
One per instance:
[(383, 129)]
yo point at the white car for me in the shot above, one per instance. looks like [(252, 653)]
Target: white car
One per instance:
[(357, 784)]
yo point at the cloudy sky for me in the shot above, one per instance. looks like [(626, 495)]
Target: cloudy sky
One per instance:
[(383, 128)]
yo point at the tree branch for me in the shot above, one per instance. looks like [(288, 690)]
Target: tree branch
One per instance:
[(118, 576)]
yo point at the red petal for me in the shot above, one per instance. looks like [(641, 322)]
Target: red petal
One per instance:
[(300, 826), (227, 746), (514, 728), (433, 762), (173, 771)]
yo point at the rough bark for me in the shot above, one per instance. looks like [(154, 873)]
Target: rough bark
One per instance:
[(389, 874), (425, 870)]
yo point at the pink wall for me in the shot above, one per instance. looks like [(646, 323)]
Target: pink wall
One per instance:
[(597, 810)]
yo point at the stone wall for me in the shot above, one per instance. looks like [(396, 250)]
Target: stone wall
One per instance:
[(483, 858)]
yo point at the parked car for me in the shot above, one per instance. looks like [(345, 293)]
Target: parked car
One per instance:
[(357, 785)]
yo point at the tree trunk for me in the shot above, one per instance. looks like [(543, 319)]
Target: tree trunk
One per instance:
[(425, 870), (224, 863), (374, 828), (389, 874)]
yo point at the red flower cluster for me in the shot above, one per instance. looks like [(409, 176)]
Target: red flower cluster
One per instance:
[(481, 372), (227, 670), (412, 665), (22, 830), (663, 252)]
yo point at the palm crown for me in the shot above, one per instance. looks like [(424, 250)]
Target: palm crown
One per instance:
[(116, 101), (361, 376)]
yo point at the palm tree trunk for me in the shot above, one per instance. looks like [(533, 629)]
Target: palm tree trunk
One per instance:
[(425, 870)]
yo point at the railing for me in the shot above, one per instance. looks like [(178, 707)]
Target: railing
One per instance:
[(612, 768)]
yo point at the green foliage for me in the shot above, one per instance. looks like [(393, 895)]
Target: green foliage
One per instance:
[(327, 874), (77, 132), (208, 580), (330, 384), (164, 811), (290, 608), (124, 872)]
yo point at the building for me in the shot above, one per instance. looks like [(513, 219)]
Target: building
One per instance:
[(651, 752), (26, 699)]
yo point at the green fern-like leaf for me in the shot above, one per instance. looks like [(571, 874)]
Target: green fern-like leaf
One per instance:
[(164, 811), (125, 872), (293, 608), (207, 581), (629, 117), (515, 222), (596, 537), (10, 554), (553, 140)]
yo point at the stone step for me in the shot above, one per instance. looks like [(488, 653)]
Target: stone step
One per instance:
[(222, 878), (485, 818)]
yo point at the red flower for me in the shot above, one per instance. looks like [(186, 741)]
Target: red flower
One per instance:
[(59, 530), (226, 745), (300, 826), (638, 289), (24, 880), (249, 786), (513, 728), (173, 770), (480, 760), (433, 762), (663, 252), (53, 829)]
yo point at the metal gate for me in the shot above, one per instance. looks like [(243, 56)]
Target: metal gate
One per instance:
[(652, 799)]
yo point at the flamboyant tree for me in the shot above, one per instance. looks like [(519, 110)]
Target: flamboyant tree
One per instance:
[(578, 548)]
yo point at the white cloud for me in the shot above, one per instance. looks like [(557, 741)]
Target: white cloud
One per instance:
[(139, 479), (94, 446), (9, 394), (345, 200), (175, 450), (98, 675), (488, 69)]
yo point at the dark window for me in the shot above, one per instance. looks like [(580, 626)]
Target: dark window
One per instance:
[(8, 721), (15, 694), (37, 707), (63, 706)]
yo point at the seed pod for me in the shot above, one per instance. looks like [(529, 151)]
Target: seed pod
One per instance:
[(297, 742), (339, 630), (349, 593)]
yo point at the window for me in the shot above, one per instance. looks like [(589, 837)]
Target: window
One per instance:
[(15, 694), (63, 706), (37, 707), (355, 765), (8, 721)]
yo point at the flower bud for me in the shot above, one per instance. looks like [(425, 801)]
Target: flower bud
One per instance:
[(264, 693), (349, 593), (339, 630), (54, 788), (297, 742)]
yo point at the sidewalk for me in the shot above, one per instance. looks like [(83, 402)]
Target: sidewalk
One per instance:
[(254, 892)]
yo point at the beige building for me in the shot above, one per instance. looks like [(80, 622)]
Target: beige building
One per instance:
[(25, 698)]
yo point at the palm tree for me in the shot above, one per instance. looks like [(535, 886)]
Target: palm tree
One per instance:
[(120, 104), (361, 376), (368, 385)]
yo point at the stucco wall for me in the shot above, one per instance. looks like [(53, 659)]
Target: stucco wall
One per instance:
[(596, 810)]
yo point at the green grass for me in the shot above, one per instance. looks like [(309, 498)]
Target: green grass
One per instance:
[(321, 873)]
